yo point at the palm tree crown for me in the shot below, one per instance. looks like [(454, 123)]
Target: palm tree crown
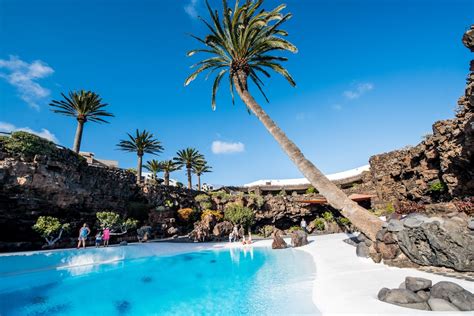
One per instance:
[(202, 168), (241, 42), (188, 158), (142, 143), (169, 166), (83, 105), (154, 166)]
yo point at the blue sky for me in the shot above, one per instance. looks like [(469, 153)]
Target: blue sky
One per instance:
[(372, 76)]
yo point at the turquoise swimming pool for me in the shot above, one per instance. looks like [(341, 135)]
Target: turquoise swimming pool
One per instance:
[(232, 281)]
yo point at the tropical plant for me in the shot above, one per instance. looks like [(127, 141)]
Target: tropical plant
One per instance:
[(256, 200), (84, 106), (154, 166), (239, 215), (189, 158), (141, 143), (168, 166), (115, 223), (328, 217), (240, 43), (50, 228), (438, 186), (198, 170), (266, 230), (343, 221)]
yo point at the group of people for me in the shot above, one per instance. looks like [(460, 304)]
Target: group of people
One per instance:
[(101, 236), (236, 233)]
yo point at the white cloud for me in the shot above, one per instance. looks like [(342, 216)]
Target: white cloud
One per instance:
[(191, 9), (23, 77), (8, 128), (219, 147), (359, 90)]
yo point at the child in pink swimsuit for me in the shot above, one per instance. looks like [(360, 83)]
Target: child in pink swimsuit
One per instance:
[(106, 237)]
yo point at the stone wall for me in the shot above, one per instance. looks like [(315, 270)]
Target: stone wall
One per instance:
[(444, 157)]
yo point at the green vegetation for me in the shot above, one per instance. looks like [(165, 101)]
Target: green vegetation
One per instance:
[(115, 223), (343, 221), (239, 215), (48, 227), (282, 193), (266, 230), (204, 201), (141, 143), (28, 144), (84, 106), (438, 187), (319, 224), (294, 228), (328, 217), (310, 190), (187, 214), (189, 158), (255, 199), (222, 195)]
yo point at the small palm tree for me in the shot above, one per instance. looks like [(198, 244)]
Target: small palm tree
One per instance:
[(141, 143), (189, 158), (243, 43), (198, 170), (154, 166), (168, 166), (84, 106)]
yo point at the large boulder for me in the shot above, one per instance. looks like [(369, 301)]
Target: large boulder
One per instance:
[(222, 229), (463, 300), (417, 284), (299, 238), (399, 296), (433, 243), (440, 305), (278, 241)]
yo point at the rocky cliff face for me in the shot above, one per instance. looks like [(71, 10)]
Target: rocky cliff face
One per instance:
[(440, 167)]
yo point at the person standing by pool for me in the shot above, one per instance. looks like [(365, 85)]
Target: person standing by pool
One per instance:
[(84, 231), (106, 236), (303, 225), (98, 239)]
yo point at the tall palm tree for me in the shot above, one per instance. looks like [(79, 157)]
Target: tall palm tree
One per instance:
[(141, 143), (84, 106), (189, 158), (168, 166), (241, 43), (198, 170), (154, 166)]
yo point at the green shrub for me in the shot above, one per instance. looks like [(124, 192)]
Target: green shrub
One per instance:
[(239, 215), (204, 201), (294, 228), (344, 221), (186, 214), (310, 190), (258, 200), (328, 217), (115, 223), (282, 193), (266, 230), (50, 228), (390, 208), (319, 224), (438, 186), (222, 195), (28, 144)]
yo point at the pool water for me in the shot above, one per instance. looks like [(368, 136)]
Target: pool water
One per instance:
[(233, 281)]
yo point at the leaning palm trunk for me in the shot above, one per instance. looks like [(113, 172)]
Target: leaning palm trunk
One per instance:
[(78, 137), (360, 217)]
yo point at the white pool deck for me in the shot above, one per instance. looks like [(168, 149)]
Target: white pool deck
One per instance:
[(345, 284)]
